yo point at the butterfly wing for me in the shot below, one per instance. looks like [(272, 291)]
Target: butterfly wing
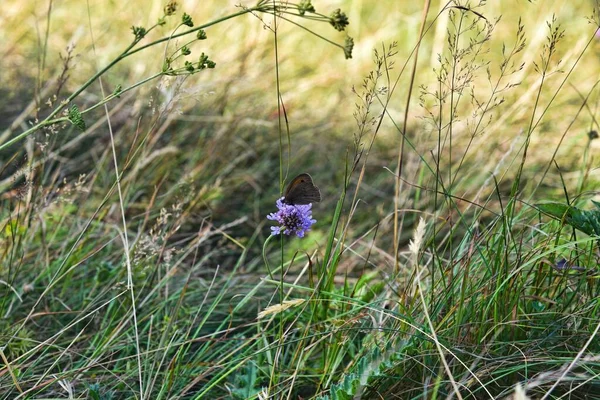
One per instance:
[(302, 190)]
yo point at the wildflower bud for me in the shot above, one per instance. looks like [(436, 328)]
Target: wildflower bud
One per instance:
[(593, 135), (201, 34), (170, 8), (305, 6), (205, 62), (117, 91), (189, 67), (139, 32), (348, 46), (339, 20), (167, 64), (187, 20), (75, 118), (186, 51)]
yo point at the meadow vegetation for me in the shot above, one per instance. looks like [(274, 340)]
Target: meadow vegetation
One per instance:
[(455, 253)]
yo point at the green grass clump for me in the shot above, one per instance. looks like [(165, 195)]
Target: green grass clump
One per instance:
[(455, 253)]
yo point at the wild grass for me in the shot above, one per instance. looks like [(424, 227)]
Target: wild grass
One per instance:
[(135, 256)]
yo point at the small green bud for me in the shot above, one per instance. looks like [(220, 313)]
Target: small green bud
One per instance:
[(170, 8), (187, 20), (186, 51), (348, 46), (117, 91), (205, 62), (75, 118), (201, 34), (189, 67), (203, 59), (161, 21), (339, 20), (167, 64), (139, 32), (305, 6)]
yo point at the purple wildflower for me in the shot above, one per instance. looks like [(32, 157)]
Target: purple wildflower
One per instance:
[(292, 218), (563, 265)]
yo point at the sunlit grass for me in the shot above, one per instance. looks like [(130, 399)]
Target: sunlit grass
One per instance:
[(442, 282)]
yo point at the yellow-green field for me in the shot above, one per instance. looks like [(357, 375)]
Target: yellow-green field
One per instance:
[(454, 253)]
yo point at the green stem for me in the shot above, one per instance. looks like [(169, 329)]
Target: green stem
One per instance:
[(126, 53), (114, 95), (261, 7), (264, 254), (209, 24)]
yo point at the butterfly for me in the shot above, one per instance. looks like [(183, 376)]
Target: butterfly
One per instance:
[(302, 190)]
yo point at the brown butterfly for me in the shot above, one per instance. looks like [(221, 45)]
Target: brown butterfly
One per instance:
[(302, 190)]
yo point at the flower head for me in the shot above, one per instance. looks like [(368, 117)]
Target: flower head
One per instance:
[(292, 218), (304, 6), (139, 32), (201, 35), (339, 20), (348, 46), (170, 8), (187, 20)]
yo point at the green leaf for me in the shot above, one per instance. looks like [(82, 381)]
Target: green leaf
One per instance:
[(586, 221), (555, 210), (94, 391), (246, 383)]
